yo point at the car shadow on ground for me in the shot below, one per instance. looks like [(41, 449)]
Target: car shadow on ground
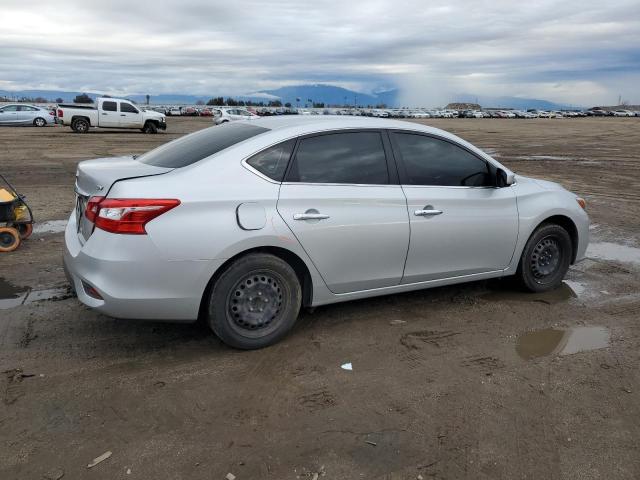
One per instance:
[(99, 336)]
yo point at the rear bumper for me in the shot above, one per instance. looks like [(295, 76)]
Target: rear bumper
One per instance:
[(133, 278)]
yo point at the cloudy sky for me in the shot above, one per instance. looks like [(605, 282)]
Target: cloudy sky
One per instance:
[(570, 51)]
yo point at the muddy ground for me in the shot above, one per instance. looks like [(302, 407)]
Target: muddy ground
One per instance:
[(448, 383)]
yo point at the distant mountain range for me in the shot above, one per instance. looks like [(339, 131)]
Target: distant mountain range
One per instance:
[(517, 103), (331, 95), (316, 93)]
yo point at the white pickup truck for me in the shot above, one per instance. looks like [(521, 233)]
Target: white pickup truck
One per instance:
[(109, 113)]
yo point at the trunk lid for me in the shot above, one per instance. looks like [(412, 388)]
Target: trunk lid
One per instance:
[(95, 178)]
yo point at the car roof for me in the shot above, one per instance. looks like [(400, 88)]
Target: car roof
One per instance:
[(313, 123), (288, 126), (305, 124)]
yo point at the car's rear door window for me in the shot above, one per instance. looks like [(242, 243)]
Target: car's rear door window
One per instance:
[(431, 161), (196, 146), (273, 161), (342, 157)]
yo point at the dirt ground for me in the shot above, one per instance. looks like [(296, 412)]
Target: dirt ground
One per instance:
[(444, 384)]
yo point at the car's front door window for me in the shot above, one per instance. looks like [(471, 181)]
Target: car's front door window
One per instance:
[(432, 161)]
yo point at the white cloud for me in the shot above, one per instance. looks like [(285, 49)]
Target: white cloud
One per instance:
[(575, 51)]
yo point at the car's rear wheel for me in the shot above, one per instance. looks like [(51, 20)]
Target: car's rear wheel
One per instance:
[(39, 122), (255, 302), (80, 125), (545, 259)]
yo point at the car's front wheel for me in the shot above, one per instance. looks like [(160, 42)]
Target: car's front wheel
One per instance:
[(150, 127), (254, 302), (545, 259)]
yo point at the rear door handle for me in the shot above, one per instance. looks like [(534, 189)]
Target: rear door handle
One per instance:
[(427, 212), (310, 216)]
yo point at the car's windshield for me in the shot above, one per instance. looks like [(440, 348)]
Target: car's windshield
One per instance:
[(193, 148)]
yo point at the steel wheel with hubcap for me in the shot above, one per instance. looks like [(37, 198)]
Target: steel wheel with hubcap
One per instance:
[(255, 301), (546, 258)]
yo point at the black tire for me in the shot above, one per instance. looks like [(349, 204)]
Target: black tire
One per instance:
[(39, 122), (150, 127), (255, 302), (545, 259), (80, 125)]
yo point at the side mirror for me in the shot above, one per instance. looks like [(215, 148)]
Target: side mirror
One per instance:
[(504, 179)]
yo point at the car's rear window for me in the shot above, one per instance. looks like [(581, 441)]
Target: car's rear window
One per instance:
[(193, 148)]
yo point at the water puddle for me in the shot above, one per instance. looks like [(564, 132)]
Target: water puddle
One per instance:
[(12, 296), (551, 341), (51, 226), (614, 252), (566, 291)]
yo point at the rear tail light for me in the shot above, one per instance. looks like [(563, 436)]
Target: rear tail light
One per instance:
[(581, 202), (60, 113), (52, 113), (126, 215)]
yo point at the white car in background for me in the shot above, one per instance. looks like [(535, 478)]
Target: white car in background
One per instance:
[(21, 114), (623, 113), (224, 115)]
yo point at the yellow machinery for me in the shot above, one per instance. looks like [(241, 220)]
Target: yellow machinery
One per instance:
[(16, 218)]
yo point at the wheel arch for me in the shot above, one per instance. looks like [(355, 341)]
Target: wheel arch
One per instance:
[(569, 225), (298, 265), (78, 117)]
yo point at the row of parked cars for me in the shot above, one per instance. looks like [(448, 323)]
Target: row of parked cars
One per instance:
[(225, 112), (143, 116), (493, 113)]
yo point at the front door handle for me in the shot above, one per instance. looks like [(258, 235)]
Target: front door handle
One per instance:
[(123, 114), (427, 212), (310, 216)]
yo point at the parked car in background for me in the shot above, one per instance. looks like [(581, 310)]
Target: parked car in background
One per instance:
[(623, 113), (24, 114), (521, 114), (232, 114), (299, 211), (110, 113)]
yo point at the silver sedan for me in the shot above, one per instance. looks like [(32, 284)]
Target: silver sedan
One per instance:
[(22, 114), (245, 223)]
